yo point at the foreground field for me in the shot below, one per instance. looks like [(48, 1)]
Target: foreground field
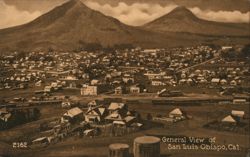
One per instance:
[(98, 146)]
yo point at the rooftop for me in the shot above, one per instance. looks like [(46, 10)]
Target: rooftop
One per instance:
[(147, 140), (118, 146)]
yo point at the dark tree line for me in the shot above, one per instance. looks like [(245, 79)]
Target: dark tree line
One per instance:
[(233, 53), (20, 117), (98, 47)]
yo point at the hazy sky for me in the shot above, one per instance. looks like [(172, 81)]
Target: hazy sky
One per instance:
[(131, 12)]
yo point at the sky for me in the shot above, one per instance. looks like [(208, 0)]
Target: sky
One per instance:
[(130, 12)]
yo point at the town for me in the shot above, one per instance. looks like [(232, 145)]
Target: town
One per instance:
[(58, 97)]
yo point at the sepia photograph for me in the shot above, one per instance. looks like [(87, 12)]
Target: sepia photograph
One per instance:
[(124, 78)]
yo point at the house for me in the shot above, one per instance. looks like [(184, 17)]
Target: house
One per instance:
[(129, 120), (117, 107), (226, 47), (48, 89), (93, 104), (40, 142), (239, 114), (239, 101), (215, 81), (229, 120), (89, 90), (233, 83), (96, 115), (66, 104), (117, 112), (190, 81), (73, 115), (116, 73), (70, 78), (135, 89), (94, 82), (182, 81), (177, 114), (85, 76), (223, 82), (115, 116), (119, 123), (128, 79), (166, 93), (158, 82), (38, 83), (152, 76), (119, 90), (90, 132)]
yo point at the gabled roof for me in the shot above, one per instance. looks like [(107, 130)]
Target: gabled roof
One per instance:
[(94, 102), (215, 80), (92, 112), (98, 110), (114, 116), (88, 131), (118, 88), (102, 110), (129, 118), (229, 119), (119, 122), (73, 112), (39, 139), (176, 111), (116, 106)]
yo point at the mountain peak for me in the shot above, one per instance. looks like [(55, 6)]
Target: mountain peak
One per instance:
[(181, 8), (76, 2), (181, 12)]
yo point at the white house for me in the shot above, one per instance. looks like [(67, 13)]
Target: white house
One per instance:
[(177, 114), (239, 114), (229, 119), (89, 90)]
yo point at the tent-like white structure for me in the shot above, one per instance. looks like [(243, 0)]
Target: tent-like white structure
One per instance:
[(176, 113), (229, 119)]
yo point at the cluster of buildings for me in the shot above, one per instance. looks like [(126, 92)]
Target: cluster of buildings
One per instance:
[(113, 72), (216, 77), (76, 121), (236, 121), (121, 72)]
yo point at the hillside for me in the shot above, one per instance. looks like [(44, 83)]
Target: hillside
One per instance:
[(183, 20), (73, 25)]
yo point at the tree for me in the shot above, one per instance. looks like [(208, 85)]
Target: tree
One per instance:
[(93, 47), (229, 54), (123, 46), (245, 52)]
